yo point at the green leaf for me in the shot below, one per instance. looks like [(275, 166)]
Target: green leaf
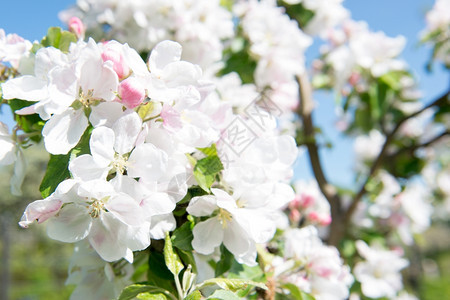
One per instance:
[(224, 295), (151, 296), (296, 292), (182, 237), (56, 173), (52, 38), (254, 273), (158, 273), (195, 295), (209, 151), (28, 123), (172, 260), (57, 167), (141, 290), (225, 262), (66, 39), (59, 39), (205, 171), (231, 284)]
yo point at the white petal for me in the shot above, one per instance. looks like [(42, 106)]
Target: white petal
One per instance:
[(134, 61), (105, 114), (148, 162), (161, 224), (137, 238), (84, 167), (236, 239), (181, 73), (164, 53), (202, 206), (63, 132), (104, 237), (19, 174), (126, 130), (72, 224), (26, 88), (126, 209), (7, 150), (157, 204), (207, 236), (102, 145)]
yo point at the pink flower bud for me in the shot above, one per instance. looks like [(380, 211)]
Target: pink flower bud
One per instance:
[(113, 54), (76, 26), (131, 92), (307, 200), (295, 216), (323, 220)]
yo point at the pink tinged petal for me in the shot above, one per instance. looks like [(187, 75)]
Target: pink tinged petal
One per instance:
[(148, 162), (105, 114), (40, 210), (101, 144), (105, 237), (84, 167), (126, 209), (99, 77), (29, 110), (131, 92), (63, 132), (71, 224), (126, 129), (26, 88), (163, 54), (114, 55), (207, 236), (161, 224), (171, 118), (202, 206)]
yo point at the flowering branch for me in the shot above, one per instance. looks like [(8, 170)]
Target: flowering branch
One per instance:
[(383, 153), (304, 111)]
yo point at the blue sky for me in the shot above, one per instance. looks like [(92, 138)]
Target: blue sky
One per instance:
[(31, 18)]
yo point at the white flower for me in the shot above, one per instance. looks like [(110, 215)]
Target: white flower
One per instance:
[(13, 48), (237, 223), (63, 85), (322, 273), (11, 153), (379, 274), (113, 222)]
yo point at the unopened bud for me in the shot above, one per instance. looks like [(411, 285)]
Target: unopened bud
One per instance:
[(131, 92), (76, 26)]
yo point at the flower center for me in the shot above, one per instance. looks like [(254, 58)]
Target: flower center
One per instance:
[(96, 208), (120, 163), (224, 217)]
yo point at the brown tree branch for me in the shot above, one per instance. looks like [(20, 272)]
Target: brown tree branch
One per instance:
[(304, 111), (444, 99)]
